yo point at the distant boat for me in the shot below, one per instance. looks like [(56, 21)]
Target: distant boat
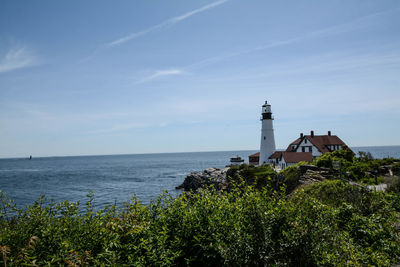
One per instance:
[(30, 157), (236, 160)]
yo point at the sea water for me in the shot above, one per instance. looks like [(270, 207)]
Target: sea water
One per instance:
[(116, 178)]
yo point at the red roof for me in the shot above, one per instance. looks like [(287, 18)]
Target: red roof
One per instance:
[(276, 155), (255, 155), (295, 157), (319, 141)]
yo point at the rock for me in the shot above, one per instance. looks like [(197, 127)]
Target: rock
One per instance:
[(210, 176), (379, 187), (302, 169), (308, 174), (311, 177), (385, 170)]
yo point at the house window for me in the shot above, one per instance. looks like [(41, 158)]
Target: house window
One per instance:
[(305, 141), (293, 148), (303, 149), (310, 149)]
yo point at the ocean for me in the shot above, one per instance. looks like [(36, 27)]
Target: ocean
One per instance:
[(116, 178)]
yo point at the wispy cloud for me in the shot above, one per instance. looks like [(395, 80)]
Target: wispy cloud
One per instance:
[(121, 127), (345, 64), (164, 24), (357, 23), (161, 73), (17, 58), (349, 26)]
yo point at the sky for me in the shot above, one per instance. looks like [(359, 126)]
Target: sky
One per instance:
[(126, 77)]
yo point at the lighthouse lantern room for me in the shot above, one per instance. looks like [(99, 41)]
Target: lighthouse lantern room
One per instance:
[(267, 145)]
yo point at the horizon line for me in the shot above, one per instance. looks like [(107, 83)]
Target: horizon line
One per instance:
[(174, 152)]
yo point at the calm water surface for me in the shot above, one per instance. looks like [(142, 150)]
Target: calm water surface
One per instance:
[(116, 178)]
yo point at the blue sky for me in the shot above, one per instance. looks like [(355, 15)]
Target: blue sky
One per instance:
[(102, 77)]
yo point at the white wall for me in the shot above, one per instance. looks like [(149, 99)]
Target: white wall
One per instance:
[(267, 143), (281, 163), (315, 151)]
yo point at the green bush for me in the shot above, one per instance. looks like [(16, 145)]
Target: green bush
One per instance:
[(396, 168), (344, 156), (329, 223), (363, 168), (394, 186), (258, 177), (291, 177)]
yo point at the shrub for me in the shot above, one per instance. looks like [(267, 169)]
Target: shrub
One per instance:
[(329, 223), (344, 156), (394, 186), (291, 177), (396, 168), (258, 177)]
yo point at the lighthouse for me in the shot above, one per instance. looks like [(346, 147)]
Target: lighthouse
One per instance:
[(267, 145)]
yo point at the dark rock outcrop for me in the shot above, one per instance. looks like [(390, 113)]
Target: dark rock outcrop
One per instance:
[(302, 169), (310, 177), (210, 176), (308, 174)]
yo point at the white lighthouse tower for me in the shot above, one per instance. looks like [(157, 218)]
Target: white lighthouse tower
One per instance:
[(267, 146)]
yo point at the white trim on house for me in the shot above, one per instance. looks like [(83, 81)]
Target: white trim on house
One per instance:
[(306, 146)]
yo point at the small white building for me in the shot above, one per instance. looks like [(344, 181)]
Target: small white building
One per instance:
[(285, 159)]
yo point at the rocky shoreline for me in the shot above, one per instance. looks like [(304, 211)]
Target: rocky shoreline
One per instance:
[(210, 176), (218, 177), (306, 174)]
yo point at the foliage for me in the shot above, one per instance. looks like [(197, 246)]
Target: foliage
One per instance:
[(291, 178), (344, 156), (258, 177), (329, 223), (365, 156), (363, 168), (396, 168), (394, 186)]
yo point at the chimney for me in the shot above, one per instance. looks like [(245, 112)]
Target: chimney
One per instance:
[(301, 135), (312, 133), (329, 133)]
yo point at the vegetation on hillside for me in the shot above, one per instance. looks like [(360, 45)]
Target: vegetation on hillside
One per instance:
[(254, 223), (362, 168), (329, 223)]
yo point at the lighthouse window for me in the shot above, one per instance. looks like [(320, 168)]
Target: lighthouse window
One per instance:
[(264, 137)]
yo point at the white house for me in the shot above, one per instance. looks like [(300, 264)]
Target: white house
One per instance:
[(316, 144), (284, 159)]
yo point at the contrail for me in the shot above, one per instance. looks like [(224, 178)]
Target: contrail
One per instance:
[(163, 24)]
